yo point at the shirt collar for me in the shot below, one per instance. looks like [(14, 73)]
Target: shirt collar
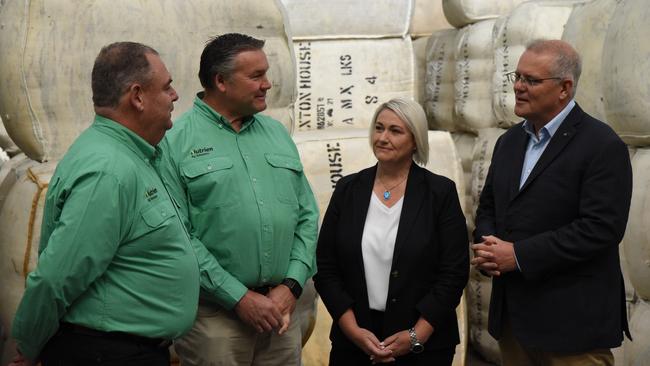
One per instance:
[(552, 126), (209, 112), (128, 137)]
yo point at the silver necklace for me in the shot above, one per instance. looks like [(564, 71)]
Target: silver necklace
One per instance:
[(387, 190)]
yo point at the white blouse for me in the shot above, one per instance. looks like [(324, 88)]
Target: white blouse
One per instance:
[(377, 245)]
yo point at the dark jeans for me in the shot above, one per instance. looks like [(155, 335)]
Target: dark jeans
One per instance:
[(67, 348), (355, 357)]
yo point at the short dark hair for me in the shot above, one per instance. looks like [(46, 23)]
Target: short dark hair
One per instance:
[(218, 56), (117, 66)]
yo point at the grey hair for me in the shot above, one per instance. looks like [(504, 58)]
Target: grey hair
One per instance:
[(412, 114), (568, 63)]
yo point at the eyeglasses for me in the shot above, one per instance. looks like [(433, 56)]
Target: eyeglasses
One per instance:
[(514, 76)]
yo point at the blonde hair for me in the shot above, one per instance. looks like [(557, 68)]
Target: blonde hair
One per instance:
[(412, 114)]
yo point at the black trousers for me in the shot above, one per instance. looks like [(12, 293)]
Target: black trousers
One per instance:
[(70, 348), (340, 356)]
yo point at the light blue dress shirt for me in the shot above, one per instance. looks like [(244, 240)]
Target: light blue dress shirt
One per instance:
[(537, 143)]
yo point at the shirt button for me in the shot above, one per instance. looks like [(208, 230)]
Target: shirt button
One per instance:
[(261, 202), (209, 167), (254, 179), (164, 214), (395, 274), (393, 300), (264, 279)]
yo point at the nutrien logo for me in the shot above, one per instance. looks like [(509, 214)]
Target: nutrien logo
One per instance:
[(195, 153), (151, 193)]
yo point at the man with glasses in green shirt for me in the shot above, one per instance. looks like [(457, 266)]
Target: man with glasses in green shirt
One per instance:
[(249, 207), (117, 276)]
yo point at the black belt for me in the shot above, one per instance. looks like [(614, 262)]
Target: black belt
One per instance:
[(264, 290), (79, 329)]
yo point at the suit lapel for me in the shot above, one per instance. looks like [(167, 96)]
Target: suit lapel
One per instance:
[(518, 154), (413, 198), (362, 193), (558, 142)]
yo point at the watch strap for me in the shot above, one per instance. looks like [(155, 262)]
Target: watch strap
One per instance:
[(294, 287)]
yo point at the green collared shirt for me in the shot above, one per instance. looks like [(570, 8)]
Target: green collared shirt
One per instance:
[(114, 254), (246, 200)]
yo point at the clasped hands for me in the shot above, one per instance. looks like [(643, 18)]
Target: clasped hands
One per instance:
[(265, 313), (384, 351), (494, 256)]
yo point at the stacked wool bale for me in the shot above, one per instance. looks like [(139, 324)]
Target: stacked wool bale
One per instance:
[(50, 47), (346, 67), (53, 45)]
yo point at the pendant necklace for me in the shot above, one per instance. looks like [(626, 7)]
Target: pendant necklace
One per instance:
[(387, 190)]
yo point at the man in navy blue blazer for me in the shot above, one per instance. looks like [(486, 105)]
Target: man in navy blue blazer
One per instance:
[(550, 218)]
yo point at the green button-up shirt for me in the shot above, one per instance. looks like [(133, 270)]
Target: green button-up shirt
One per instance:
[(246, 200), (114, 254)]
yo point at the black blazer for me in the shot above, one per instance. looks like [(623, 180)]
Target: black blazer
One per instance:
[(566, 222), (430, 260)]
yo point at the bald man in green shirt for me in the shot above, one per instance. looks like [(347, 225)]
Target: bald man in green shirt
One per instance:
[(248, 204), (117, 276)]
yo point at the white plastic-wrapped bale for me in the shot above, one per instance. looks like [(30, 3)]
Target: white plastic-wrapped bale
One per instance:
[(586, 30), (439, 80), (637, 236), (626, 61), (317, 350), (483, 149), (328, 156), (637, 352), (49, 48), (305, 311), (6, 144), (20, 223), (341, 19), (474, 57), (420, 60), (463, 12), (428, 17), (464, 144), (479, 289), (528, 21), (341, 82)]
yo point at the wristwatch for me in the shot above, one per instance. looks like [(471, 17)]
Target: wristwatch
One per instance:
[(294, 286), (416, 346)]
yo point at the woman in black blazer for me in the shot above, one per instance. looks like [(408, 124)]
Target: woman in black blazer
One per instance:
[(393, 251)]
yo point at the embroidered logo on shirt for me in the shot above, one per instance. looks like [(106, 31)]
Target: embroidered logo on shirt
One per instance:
[(151, 194), (195, 153)]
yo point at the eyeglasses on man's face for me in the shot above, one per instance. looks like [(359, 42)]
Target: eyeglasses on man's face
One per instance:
[(514, 76)]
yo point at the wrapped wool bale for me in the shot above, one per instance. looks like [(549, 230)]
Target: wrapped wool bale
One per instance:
[(637, 352), (586, 30), (341, 82), (483, 149), (474, 57), (428, 17), (637, 237), (626, 61), (20, 230), (49, 48), (420, 62), (479, 290), (528, 21), (6, 144), (305, 311), (439, 80), (464, 144), (331, 155), (346, 19), (463, 12)]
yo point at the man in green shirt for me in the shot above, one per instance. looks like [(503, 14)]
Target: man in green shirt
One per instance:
[(117, 275), (248, 206)]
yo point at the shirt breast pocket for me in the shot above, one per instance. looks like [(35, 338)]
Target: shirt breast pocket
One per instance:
[(286, 177), (209, 182)]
